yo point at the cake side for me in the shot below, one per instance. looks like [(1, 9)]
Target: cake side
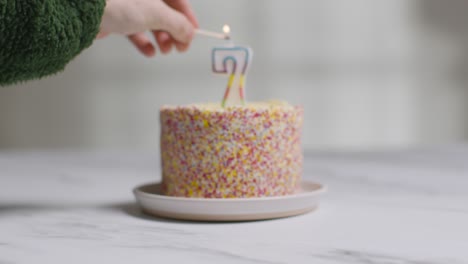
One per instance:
[(245, 151)]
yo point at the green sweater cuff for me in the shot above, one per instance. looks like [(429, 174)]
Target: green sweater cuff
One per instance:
[(39, 38)]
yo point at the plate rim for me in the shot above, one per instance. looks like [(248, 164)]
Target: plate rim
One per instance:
[(321, 188), (229, 217)]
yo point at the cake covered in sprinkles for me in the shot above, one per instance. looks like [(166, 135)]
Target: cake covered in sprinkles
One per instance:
[(245, 151)]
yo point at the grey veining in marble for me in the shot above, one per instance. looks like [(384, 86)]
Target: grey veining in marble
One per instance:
[(400, 207)]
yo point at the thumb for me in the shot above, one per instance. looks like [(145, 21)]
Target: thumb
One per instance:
[(175, 23)]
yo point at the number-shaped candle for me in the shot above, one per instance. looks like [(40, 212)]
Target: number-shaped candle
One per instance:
[(233, 61)]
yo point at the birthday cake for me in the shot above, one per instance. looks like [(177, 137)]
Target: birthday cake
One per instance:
[(209, 151)]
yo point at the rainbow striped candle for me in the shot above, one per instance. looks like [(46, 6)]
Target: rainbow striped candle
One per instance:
[(233, 61)]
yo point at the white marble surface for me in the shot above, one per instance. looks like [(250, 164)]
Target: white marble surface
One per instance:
[(389, 207)]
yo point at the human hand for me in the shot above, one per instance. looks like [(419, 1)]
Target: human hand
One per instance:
[(172, 23)]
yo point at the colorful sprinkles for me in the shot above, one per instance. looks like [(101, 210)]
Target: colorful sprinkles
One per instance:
[(238, 151)]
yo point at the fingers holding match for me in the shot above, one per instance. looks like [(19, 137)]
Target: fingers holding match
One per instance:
[(143, 44)]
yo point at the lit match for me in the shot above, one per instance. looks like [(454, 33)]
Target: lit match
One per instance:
[(224, 35)]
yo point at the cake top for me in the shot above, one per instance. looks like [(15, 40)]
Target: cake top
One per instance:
[(215, 107)]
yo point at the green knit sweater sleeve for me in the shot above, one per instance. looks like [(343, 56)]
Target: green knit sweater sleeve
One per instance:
[(40, 37)]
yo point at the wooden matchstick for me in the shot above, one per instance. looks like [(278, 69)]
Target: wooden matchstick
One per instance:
[(211, 34)]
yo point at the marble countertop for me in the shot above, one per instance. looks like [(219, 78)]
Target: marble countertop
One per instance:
[(382, 207)]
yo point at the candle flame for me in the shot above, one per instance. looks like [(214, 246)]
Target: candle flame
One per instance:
[(226, 29)]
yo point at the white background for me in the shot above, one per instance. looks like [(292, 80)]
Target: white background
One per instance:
[(371, 74)]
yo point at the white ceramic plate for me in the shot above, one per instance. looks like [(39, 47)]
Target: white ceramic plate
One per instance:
[(153, 202)]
